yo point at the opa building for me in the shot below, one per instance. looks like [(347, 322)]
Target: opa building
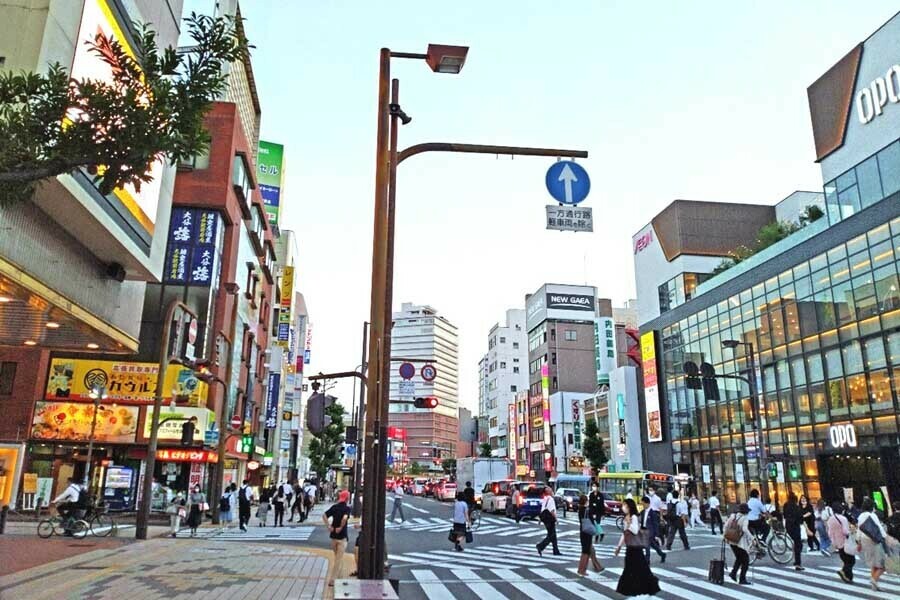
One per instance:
[(820, 310)]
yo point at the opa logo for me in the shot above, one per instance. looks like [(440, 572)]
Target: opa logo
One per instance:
[(871, 100), (842, 435)]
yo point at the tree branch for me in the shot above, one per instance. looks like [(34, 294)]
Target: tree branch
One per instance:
[(37, 173)]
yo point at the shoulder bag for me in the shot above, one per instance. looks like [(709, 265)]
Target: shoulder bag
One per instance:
[(872, 531), (587, 527)]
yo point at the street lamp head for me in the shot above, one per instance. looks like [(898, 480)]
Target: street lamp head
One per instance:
[(446, 59), (730, 344)]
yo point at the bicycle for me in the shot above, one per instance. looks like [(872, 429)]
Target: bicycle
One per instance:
[(777, 544), (620, 522), (57, 525), (475, 519), (101, 524)]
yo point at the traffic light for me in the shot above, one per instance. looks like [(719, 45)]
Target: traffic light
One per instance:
[(315, 413), (426, 402), (794, 471), (247, 443), (772, 468), (702, 377)]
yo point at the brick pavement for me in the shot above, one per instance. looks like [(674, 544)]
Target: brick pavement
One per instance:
[(177, 569)]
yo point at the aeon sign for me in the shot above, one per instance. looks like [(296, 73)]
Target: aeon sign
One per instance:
[(872, 99), (842, 436), (643, 242)]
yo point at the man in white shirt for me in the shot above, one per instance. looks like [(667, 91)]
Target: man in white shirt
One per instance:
[(715, 516), (757, 516), (676, 522), (288, 492), (656, 508), (398, 503), (67, 502), (548, 517)]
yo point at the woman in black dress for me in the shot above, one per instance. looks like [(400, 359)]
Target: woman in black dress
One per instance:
[(587, 531), (809, 521), (636, 578)]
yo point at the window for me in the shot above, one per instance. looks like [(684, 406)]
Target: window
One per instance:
[(515, 369), (515, 345), (240, 179), (513, 388), (502, 365), (553, 358), (502, 340), (7, 376), (571, 335)]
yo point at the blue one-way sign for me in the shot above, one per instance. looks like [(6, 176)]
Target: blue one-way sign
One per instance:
[(568, 182)]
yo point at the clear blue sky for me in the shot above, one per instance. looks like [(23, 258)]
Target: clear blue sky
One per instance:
[(696, 100)]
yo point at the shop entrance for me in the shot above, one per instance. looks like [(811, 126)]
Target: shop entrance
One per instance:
[(865, 473)]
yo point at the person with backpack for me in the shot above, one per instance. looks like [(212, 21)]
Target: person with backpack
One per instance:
[(196, 505), (279, 501), (245, 497), (227, 504), (737, 534), (843, 540), (872, 541), (823, 512), (677, 514)]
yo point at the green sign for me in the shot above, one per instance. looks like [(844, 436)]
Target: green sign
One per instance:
[(269, 177)]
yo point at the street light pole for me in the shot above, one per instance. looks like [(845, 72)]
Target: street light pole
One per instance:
[(97, 394)]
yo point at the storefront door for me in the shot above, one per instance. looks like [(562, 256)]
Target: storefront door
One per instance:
[(865, 473)]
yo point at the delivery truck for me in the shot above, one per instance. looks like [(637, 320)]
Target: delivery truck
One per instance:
[(481, 471)]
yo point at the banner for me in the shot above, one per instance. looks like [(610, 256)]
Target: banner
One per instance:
[(651, 389), (170, 422), (125, 382), (270, 178), (272, 400), (194, 247), (72, 422)]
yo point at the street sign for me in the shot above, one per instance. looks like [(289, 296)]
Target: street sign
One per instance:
[(568, 182), (192, 332), (428, 372), (407, 370), (390, 460), (567, 218), (407, 389), (350, 450), (211, 436), (235, 421)]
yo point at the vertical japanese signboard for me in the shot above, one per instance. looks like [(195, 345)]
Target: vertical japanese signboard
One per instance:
[(576, 425), (284, 314), (604, 349), (307, 353), (271, 168), (272, 400), (192, 254), (511, 431), (651, 387)]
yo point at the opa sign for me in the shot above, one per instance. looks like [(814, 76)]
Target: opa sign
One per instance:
[(842, 435), (871, 100)]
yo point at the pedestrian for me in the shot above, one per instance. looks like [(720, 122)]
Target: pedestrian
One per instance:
[(695, 512), (757, 515), (677, 522), (279, 500), (297, 507), (227, 504), (587, 533), (288, 491), (872, 540), (738, 535), (809, 523), (652, 521), (793, 521), (715, 516), (336, 518), (645, 518), (262, 511), (597, 506), (636, 577), (548, 518), (177, 511), (842, 540), (245, 497), (461, 520), (893, 522), (397, 491), (469, 493), (512, 505), (823, 513), (196, 504)]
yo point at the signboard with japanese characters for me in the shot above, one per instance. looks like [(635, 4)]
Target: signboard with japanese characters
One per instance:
[(272, 391), (570, 218), (192, 256)]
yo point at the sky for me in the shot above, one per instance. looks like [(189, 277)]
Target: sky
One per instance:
[(686, 100)]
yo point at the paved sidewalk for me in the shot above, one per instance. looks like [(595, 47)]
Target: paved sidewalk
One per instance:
[(177, 569)]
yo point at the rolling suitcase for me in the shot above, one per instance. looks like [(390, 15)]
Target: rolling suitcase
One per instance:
[(717, 568)]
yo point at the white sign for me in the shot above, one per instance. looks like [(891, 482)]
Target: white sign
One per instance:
[(570, 218), (842, 435), (870, 100), (407, 389), (707, 477), (779, 477), (739, 472)]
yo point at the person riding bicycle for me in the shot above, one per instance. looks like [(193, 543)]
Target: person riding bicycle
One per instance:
[(469, 496), (73, 499), (758, 515)]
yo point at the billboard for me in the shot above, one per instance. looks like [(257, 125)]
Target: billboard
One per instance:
[(98, 17), (193, 253), (564, 302), (170, 422), (284, 314), (604, 349), (125, 382), (272, 391), (651, 387), (73, 421), (270, 178)]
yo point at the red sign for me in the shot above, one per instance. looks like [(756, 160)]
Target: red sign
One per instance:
[(396, 433), (643, 242), (192, 331), (235, 421), (428, 372), (173, 455), (253, 465)]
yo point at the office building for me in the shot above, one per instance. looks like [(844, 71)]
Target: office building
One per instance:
[(502, 374)]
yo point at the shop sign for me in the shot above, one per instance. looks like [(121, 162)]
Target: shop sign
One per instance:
[(170, 422), (707, 475), (269, 178), (70, 421), (196, 476), (125, 382), (576, 425), (651, 390), (177, 455), (872, 99), (252, 465), (192, 254), (842, 436), (272, 391), (29, 483)]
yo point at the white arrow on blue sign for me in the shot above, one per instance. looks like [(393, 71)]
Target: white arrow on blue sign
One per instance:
[(568, 182)]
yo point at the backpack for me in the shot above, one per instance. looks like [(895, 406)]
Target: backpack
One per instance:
[(224, 503), (672, 511), (83, 498), (733, 530)]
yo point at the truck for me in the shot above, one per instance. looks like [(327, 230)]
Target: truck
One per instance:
[(481, 471)]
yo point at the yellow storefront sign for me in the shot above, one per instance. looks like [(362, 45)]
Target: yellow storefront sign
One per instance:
[(29, 483), (125, 382)]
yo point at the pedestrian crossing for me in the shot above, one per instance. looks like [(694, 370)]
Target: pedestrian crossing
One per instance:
[(683, 583), (498, 526), (500, 556), (254, 533)]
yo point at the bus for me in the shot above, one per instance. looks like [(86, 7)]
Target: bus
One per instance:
[(618, 485)]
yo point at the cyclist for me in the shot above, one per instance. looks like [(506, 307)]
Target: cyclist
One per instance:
[(469, 495), (73, 499), (757, 517)]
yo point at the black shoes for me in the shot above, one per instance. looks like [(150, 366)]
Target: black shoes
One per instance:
[(539, 549), (733, 577), (662, 558)]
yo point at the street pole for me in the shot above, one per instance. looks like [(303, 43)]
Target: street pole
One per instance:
[(143, 515), (97, 395), (761, 453), (358, 417)]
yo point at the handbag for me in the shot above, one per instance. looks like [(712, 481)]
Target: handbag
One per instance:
[(469, 537), (181, 512), (872, 530), (171, 509), (587, 527), (451, 537), (205, 506), (598, 529), (547, 517), (641, 539)]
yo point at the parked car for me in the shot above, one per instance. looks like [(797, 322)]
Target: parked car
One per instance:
[(567, 496), (447, 492), (495, 495)]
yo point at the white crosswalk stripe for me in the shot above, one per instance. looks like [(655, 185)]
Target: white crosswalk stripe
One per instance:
[(254, 534), (530, 580), (489, 525)]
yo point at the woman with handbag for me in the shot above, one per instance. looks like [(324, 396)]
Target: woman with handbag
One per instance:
[(872, 540), (548, 518), (636, 578), (588, 530), (196, 506), (176, 512), (843, 540), (460, 521)]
